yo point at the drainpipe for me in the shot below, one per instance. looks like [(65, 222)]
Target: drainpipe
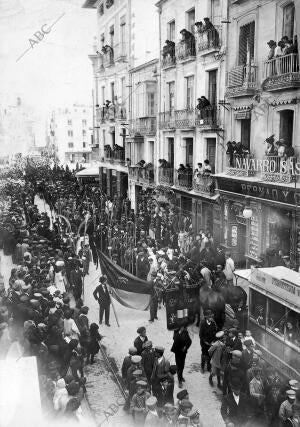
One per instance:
[(158, 145)]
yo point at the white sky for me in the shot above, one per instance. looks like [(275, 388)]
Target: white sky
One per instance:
[(57, 71)]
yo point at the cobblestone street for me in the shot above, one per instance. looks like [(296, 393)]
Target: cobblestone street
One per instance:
[(103, 391)]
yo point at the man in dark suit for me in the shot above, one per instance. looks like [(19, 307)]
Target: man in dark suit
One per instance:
[(235, 408), (101, 294), (207, 333), (164, 392), (247, 355)]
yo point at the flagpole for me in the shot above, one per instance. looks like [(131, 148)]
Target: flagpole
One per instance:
[(114, 310)]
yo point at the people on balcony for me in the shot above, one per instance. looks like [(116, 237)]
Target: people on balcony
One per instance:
[(272, 45), (202, 105), (141, 164), (207, 168), (188, 43), (163, 163), (271, 149), (230, 152), (239, 149), (209, 32), (168, 49)]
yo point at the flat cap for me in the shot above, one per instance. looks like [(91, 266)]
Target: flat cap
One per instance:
[(141, 329), (291, 394), (136, 359), (151, 401), (236, 353), (220, 334), (132, 350), (186, 404), (159, 349), (182, 394)]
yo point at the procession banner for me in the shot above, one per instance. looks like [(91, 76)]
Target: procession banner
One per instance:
[(127, 289)]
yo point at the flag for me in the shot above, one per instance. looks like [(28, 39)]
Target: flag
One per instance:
[(127, 289)]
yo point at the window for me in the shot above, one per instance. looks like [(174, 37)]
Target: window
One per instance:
[(246, 43), (258, 307), (215, 11), (103, 136), (211, 152), (190, 20), (84, 132), (103, 94), (171, 96), (70, 145), (190, 92), (292, 331), (171, 152), (212, 87), (123, 89), (171, 31), (189, 151), (83, 122), (150, 104), (112, 35), (288, 23), (70, 122), (112, 91), (123, 30), (246, 133), (70, 133), (286, 126), (84, 144), (276, 317)]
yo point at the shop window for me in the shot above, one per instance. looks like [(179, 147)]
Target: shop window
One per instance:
[(258, 307), (292, 330), (276, 317), (246, 43)]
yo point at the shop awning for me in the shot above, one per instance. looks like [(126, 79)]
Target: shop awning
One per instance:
[(93, 172)]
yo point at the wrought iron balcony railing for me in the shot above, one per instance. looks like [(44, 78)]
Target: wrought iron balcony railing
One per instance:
[(209, 40), (242, 81), (108, 58), (279, 169), (185, 119), (282, 72), (207, 117), (167, 120), (166, 176), (143, 126), (168, 58), (204, 184), (186, 49), (143, 175), (184, 179), (238, 165)]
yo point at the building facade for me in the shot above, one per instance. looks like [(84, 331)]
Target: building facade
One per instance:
[(191, 118), (262, 101), (70, 135), (124, 41)]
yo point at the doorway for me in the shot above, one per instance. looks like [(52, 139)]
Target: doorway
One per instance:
[(171, 152), (286, 126), (245, 133), (189, 152), (211, 153)]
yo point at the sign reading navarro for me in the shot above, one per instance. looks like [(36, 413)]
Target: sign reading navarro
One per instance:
[(268, 165)]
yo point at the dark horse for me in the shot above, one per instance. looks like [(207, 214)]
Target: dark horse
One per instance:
[(214, 301)]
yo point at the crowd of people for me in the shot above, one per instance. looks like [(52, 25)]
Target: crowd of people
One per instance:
[(42, 312)]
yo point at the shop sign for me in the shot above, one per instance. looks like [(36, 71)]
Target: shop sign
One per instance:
[(268, 165), (260, 190), (282, 288), (242, 115)]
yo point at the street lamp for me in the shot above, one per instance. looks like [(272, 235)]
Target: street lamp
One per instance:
[(247, 212)]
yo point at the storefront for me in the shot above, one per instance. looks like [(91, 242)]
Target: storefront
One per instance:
[(270, 233), (274, 317), (89, 176)]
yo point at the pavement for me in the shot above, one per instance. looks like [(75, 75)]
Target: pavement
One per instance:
[(104, 398)]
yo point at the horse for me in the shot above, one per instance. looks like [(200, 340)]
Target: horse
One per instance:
[(235, 296), (209, 299)]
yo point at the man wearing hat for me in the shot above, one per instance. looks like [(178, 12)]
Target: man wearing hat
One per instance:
[(247, 355), (101, 294), (140, 340), (152, 418), (235, 408), (216, 352), (127, 363), (169, 415), (181, 344), (233, 370), (160, 369), (207, 333), (286, 408), (164, 392), (148, 358), (138, 403)]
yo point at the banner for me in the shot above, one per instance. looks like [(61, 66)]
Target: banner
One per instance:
[(127, 289)]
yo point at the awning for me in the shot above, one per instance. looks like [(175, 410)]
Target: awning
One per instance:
[(94, 172)]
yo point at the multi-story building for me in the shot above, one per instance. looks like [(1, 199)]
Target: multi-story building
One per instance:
[(70, 132), (191, 131), (127, 30), (262, 100)]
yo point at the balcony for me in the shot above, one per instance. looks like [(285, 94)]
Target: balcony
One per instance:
[(185, 119), (209, 41), (207, 117), (184, 179), (273, 169), (120, 52), (242, 81), (204, 184), (121, 112), (116, 156), (166, 176), (282, 73), (108, 56), (168, 57), (167, 120), (105, 114), (186, 50), (143, 175), (143, 126)]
